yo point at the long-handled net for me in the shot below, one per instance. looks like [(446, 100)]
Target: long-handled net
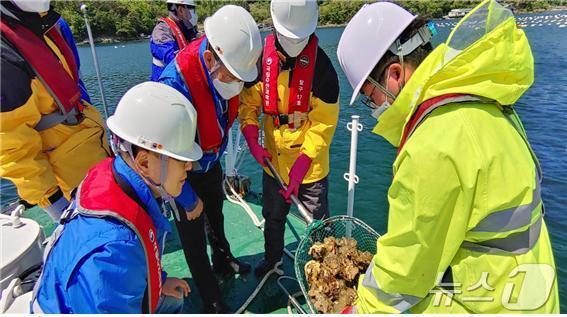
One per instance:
[(318, 230), (337, 227)]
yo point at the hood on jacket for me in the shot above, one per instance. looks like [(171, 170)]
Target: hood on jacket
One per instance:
[(485, 55)]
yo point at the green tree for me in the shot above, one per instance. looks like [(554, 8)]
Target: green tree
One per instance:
[(130, 18), (338, 11), (206, 8), (260, 10)]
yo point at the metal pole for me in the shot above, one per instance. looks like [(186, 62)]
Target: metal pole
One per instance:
[(237, 144), (230, 155), (95, 60), (354, 127), (302, 210)]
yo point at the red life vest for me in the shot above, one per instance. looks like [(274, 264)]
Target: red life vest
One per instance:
[(62, 86), (195, 77), (99, 195), (426, 108), (300, 88), (177, 33)]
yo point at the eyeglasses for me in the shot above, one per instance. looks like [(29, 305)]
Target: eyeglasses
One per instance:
[(222, 69), (367, 101)]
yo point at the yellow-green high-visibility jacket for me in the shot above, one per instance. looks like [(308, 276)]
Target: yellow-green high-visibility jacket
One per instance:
[(465, 227)]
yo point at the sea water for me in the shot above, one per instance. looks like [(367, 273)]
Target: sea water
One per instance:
[(542, 110)]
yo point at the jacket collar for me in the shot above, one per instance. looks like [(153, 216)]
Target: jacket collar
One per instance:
[(144, 194)]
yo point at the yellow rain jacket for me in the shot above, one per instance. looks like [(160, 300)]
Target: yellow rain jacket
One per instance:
[(314, 137), (465, 228), (40, 163)]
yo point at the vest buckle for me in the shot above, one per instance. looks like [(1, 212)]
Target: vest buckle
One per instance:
[(280, 119)]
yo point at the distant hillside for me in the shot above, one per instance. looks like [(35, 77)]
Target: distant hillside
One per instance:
[(129, 19)]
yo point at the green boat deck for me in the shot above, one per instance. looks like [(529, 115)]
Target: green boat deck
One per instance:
[(247, 243)]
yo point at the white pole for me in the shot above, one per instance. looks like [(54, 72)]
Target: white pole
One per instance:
[(95, 59), (229, 159), (354, 127), (237, 144)]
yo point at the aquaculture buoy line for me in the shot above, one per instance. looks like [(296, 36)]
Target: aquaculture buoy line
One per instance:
[(549, 19)]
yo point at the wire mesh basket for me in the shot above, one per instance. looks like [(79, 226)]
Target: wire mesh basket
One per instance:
[(338, 227)]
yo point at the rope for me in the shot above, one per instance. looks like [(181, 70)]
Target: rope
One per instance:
[(277, 270), (236, 199)]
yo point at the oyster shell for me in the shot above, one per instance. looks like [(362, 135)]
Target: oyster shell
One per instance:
[(333, 273)]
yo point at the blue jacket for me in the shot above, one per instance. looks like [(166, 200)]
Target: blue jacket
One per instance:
[(68, 36), (98, 264), (164, 47), (173, 78)]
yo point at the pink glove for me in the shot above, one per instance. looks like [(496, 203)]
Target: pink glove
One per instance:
[(250, 133), (296, 176)]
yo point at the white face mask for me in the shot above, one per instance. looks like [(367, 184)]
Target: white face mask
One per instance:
[(226, 90), (379, 110), (194, 17), (291, 46)]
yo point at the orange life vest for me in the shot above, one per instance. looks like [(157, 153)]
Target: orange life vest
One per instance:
[(210, 132), (425, 108), (177, 33), (101, 196), (300, 88), (63, 87)]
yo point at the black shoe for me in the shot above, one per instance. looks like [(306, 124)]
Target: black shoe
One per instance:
[(217, 308), (231, 266), (265, 266)]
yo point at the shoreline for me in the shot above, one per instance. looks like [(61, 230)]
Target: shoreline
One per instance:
[(115, 39)]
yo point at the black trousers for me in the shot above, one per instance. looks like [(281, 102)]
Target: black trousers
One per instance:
[(275, 210), (208, 187)]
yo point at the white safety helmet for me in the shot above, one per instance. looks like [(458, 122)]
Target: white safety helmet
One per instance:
[(184, 2), (234, 35), (367, 37), (37, 6), (158, 118), (295, 19)]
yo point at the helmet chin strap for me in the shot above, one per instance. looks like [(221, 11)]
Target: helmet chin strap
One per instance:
[(167, 198), (401, 56)]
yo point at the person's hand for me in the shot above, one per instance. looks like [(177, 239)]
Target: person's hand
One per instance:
[(296, 176), (292, 189), (175, 287), (250, 133), (260, 154), (196, 212)]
